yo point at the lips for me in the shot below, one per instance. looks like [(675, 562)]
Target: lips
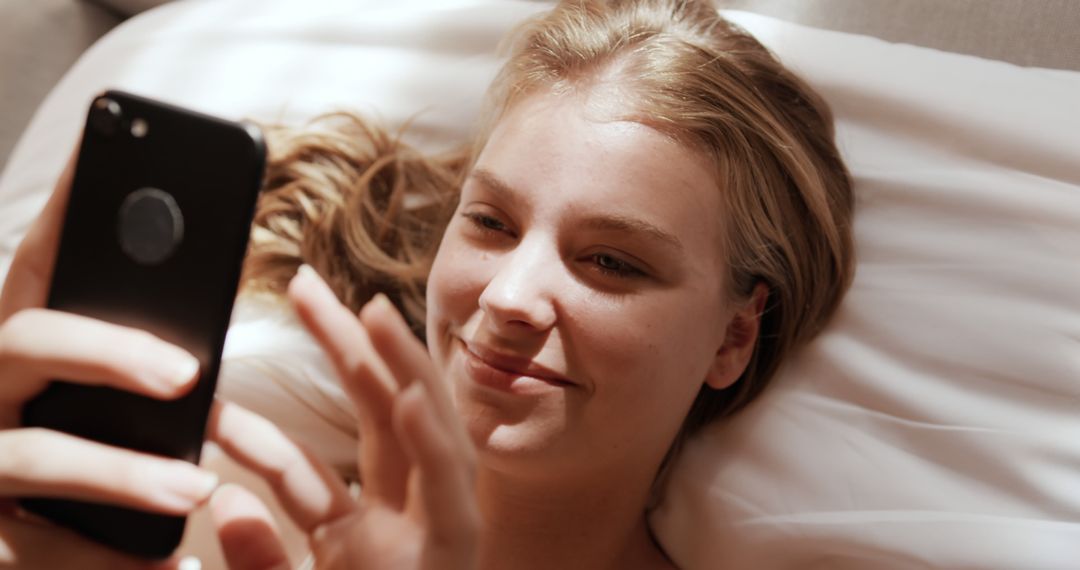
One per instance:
[(502, 371)]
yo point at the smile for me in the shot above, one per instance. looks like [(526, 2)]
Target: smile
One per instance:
[(508, 373)]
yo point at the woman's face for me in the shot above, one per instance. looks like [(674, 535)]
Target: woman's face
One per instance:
[(577, 303)]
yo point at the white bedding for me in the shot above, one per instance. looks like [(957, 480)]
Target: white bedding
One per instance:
[(936, 423)]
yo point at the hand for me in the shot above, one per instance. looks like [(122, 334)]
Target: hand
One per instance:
[(37, 344), (418, 508)]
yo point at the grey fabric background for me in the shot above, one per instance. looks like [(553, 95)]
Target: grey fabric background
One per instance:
[(40, 39), (1038, 33)]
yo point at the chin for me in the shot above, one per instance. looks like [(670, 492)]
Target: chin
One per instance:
[(509, 451), (514, 426), (518, 431)]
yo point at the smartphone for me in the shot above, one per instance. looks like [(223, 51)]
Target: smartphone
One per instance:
[(154, 237)]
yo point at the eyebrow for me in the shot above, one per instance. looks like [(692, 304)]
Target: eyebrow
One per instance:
[(607, 222), (492, 182)]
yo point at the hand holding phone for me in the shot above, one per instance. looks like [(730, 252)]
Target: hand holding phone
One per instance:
[(152, 238), (37, 344)]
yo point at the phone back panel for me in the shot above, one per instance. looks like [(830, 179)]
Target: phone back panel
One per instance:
[(204, 174)]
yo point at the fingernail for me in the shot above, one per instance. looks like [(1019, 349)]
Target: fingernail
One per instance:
[(376, 301), (317, 284), (185, 369), (307, 271), (189, 563), (186, 485), (216, 496), (381, 300), (237, 503), (172, 367)]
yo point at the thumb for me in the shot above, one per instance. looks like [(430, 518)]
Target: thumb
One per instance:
[(249, 537), (27, 282)]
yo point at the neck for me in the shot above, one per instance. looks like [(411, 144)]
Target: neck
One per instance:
[(596, 521)]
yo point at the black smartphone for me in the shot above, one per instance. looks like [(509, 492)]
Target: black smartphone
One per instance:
[(154, 238)]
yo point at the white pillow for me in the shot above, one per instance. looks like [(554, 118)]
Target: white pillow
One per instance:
[(933, 424), (936, 423)]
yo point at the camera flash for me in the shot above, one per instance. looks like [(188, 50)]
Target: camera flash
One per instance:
[(139, 128)]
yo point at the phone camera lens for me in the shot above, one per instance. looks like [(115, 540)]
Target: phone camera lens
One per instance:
[(106, 116)]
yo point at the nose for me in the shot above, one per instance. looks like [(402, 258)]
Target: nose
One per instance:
[(520, 296)]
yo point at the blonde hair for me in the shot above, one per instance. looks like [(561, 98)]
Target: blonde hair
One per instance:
[(364, 209), (684, 71)]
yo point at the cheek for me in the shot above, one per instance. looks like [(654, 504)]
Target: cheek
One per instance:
[(650, 352), (647, 359), (458, 277)]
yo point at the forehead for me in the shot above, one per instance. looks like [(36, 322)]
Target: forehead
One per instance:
[(565, 155)]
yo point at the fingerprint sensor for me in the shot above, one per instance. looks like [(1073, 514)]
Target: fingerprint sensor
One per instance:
[(151, 226)]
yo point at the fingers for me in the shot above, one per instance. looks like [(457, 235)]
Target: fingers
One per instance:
[(25, 544), (39, 344), (346, 342), (44, 463), (371, 387), (408, 360), (250, 539), (27, 283), (446, 477), (405, 356), (309, 491)]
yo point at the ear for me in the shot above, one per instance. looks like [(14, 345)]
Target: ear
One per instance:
[(740, 338)]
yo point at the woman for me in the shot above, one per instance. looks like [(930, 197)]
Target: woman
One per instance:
[(653, 216)]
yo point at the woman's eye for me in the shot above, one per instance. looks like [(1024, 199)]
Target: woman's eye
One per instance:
[(486, 223), (612, 265)]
